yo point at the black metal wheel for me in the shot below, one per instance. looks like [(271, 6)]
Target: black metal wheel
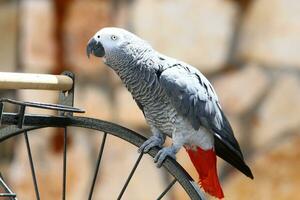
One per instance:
[(105, 130)]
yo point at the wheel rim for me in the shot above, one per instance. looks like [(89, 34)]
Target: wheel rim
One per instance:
[(32, 122)]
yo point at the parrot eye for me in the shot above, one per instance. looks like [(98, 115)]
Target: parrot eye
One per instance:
[(98, 36), (113, 37)]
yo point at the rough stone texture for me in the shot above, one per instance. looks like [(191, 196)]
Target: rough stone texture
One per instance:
[(276, 174), (271, 33), (238, 91), (280, 111), (84, 18), (122, 14), (128, 113), (95, 101), (195, 31), (37, 40), (8, 34)]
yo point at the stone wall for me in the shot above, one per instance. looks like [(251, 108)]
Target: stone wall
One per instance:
[(248, 49)]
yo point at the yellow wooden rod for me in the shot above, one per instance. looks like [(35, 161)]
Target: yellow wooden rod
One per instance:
[(10, 80)]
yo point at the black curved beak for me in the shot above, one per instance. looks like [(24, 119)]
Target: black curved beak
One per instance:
[(95, 48)]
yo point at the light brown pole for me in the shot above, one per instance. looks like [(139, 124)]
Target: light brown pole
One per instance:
[(10, 80)]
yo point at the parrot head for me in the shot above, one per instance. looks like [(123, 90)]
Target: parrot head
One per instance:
[(113, 44)]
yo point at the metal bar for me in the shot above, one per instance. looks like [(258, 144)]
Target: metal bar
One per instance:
[(130, 175), (97, 166), (40, 105), (65, 164), (166, 190), (67, 97), (1, 111), (21, 116), (8, 195), (32, 166), (15, 81)]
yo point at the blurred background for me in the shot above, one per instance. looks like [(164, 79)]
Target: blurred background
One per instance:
[(249, 49)]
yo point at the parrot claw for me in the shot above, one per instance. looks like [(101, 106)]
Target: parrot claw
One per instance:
[(151, 142), (163, 153)]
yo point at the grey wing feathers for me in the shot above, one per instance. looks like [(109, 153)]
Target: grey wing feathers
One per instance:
[(228, 148), (193, 97)]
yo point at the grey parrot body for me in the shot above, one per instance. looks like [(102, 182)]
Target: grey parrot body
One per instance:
[(176, 99), (147, 77)]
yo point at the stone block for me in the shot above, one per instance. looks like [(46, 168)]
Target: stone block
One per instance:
[(240, 90), (8, 26), (37, 41), (279, 113), (276, 174), (270, 33), (196, 31), (83, 20)]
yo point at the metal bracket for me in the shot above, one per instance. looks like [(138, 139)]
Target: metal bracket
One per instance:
[(67, 97), (1, 111), (21, 116), (64, 108)]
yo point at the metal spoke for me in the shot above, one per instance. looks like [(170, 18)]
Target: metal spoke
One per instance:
[(130, 175), (166, 190), (65, 164), (97, 165), (7, 195), (37, 194)]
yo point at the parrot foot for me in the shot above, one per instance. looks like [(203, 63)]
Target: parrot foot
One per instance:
[(163, 153), (151, 142)]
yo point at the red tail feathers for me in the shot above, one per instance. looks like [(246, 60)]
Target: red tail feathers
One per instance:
[(205, 164)]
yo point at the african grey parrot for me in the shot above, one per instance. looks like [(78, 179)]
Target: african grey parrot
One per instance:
[(176, 100)]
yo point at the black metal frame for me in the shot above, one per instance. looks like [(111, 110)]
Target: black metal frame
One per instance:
[(32, 122), (18, 123)]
